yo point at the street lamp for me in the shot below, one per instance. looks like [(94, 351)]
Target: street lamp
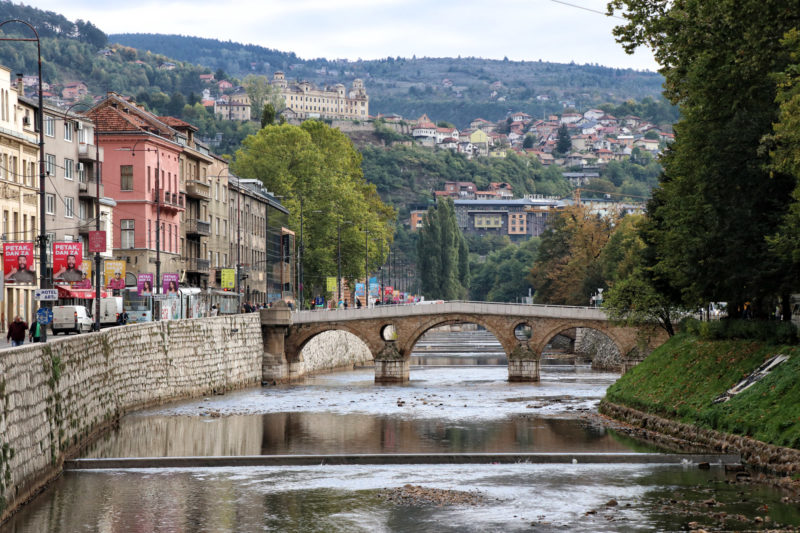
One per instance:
[(339, 258), (43, 279)]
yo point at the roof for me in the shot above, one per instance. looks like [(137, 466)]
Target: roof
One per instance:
[(177, 123), (515, 202)]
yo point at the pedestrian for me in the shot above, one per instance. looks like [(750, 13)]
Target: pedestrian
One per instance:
[(16, 331), (345, 304), (35, 334), (358, 303), (214, 310)]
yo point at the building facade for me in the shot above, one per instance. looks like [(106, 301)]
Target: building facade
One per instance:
[(19, 192), (519, 219), (304, 100)]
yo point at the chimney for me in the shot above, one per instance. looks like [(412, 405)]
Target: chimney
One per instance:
[(20, 85)]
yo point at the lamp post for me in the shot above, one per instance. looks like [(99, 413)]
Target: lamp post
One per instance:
[(43, 279)]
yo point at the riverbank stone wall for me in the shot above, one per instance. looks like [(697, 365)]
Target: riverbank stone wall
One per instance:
[(56, 396)]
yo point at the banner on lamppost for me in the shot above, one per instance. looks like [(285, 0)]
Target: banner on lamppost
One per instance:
[(67, 260), (330, 284), (144, 284), (169, 281), (115, 274), (97, 241), (18, 263), (360, 287), (374, 290), (228, 278)]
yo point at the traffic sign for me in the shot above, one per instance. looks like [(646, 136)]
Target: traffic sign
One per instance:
[(44, 315), (47, 295)]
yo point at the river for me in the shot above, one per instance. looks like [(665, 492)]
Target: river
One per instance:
[(445, 408)]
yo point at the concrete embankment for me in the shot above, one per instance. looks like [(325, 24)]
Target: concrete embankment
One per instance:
[(673, 393)]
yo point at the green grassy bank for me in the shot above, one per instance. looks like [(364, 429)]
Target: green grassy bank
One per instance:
[(680, 380)]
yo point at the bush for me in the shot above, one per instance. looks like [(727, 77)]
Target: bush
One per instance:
[(769, 331)]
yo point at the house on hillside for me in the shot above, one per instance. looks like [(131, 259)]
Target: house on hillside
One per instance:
[(74, 90)]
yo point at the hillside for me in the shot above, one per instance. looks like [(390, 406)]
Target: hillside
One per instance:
[(453, 89)]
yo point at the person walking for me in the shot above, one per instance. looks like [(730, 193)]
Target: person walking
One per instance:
[(35, 334), (16, 331)]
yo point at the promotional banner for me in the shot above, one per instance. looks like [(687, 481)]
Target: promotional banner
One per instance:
[(330, 284), (115, 274), (360, 290), (388, 290), (144, 284), (86, 282), (18, 263), (169, 283), (67, 259), (228, 278), (374, 289)]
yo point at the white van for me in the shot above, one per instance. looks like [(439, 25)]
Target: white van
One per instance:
[(110, 309), (68, 318)]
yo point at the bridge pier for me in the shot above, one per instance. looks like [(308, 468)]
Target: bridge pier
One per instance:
[(524, 364), (390, 365), (275, 323)]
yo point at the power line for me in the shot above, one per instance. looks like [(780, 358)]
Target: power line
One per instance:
[(590, 10)]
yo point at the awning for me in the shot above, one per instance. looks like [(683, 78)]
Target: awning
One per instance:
[(84, 294)]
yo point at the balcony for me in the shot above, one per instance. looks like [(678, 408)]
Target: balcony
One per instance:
[(171, 201), (198, 227), (87, 152), (89, 225), (87, 188), (193, 264), (198, 190)]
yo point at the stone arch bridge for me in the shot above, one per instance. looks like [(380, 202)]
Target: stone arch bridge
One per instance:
[(391, 332)]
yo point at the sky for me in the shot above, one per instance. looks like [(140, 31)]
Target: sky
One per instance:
[(549, 30)]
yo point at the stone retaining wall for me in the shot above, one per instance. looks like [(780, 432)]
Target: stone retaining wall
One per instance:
[(55, 396), (775, 459)]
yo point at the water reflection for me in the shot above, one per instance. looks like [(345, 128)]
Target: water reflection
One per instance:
[(519, 497), (327, 433)]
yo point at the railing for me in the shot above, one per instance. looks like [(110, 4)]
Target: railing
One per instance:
[(198, 189), (198, 227), (195, 264)]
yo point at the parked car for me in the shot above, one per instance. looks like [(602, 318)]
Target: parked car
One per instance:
[(67, 318)]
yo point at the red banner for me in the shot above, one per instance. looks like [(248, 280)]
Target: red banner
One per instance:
[(18, 263), (67, 262)]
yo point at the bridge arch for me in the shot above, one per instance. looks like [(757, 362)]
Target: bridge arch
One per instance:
[(300, 339), (500, 327), (546, 333)]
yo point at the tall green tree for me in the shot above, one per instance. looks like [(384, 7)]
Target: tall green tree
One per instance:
[(564, 141), (317, 171), (261, 92), (441, 250), (708, 222)]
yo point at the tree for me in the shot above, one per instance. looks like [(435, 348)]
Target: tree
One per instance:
[(568, 270), (503, 276), (318, 171), (268, 115), (441, 249), (528, 141), (564, 141), (634, 301), (708, 222), (262, 92)]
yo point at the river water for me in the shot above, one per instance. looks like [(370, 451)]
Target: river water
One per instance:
[(444, 409)]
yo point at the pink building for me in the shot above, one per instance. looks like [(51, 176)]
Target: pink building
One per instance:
[(140, 172)]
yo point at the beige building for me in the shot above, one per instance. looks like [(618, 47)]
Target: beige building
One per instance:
[(218, 240), (304, 100), (19, 192)]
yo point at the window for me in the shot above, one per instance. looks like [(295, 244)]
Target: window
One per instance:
[(50, 201), (69, 206), (68, 130), (83, 210), (126, 233), (49, 126), (50, 164), (126, 178), (69, 169)]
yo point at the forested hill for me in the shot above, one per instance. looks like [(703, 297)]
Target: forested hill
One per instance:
[(453, 89)]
